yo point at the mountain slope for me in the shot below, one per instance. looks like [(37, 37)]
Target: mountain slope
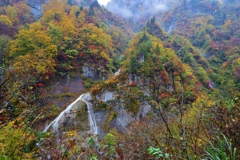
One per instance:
[(163, 92)]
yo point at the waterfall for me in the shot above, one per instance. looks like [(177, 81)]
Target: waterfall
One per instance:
[(173, 25), (211, 84), (170, 28), (65, 115), (92, 120), (84, 98), (118, 72)]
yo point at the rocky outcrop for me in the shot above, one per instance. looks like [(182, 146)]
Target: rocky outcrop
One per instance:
[(106, 96), (89, 71), (36, 7), (118, 117), (93, 72), (124, 118), (77, 119)]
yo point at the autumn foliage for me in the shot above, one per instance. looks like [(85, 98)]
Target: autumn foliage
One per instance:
[(177, 80)]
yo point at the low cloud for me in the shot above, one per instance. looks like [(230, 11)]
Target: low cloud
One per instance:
[(160, 7), (137, 8), (103, 2)]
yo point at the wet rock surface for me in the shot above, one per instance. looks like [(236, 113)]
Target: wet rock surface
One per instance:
[(118, 118)]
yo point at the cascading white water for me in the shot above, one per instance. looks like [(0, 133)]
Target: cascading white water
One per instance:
[(170, 28), (91, 117), (118, 72), (84, 98)]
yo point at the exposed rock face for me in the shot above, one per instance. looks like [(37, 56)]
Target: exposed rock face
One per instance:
[(93, 72), (125, 118), (77, 119), (101, 117), (36, 7), (106, 96), (122, 117), (122, 120), (89, 71), (144, 110)]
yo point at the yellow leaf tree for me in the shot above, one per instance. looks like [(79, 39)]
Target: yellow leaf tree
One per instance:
[(33, 51)]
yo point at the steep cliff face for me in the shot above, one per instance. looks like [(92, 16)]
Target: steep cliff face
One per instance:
[(36, 7), (111, 112), (94, 72)]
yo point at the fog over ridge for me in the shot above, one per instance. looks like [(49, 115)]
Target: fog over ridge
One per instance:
[(138, 8)]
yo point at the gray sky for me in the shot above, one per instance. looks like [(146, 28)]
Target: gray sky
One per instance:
[(103, 2)]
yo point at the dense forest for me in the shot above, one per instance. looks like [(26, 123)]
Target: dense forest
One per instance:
[(130, 80)]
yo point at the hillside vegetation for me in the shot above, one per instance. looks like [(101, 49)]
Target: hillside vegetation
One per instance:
[(164, 79)]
